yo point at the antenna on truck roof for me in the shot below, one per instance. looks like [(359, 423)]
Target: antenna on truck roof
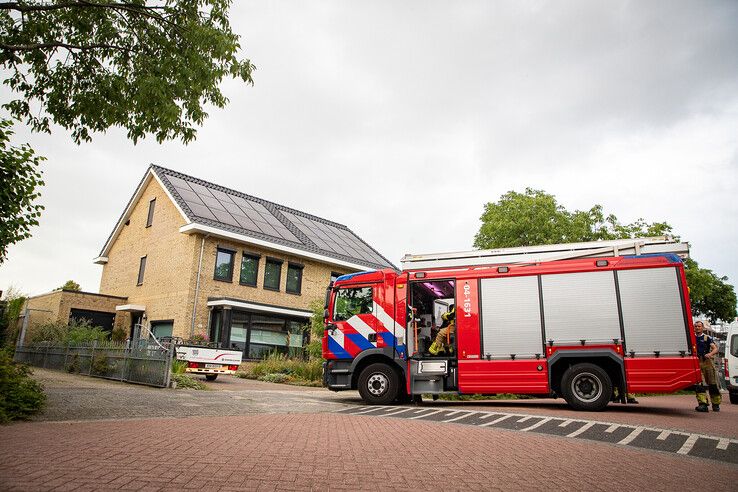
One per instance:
[(548, 252)]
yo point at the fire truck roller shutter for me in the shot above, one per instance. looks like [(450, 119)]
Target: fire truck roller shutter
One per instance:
[(653, 315), (580, 306), (511, 317)]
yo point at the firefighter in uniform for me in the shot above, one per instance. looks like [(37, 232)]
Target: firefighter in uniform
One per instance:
[(441, 343), (706, 350)]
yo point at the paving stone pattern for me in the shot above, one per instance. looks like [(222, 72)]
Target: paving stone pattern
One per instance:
[(330, 451), (683, 443)]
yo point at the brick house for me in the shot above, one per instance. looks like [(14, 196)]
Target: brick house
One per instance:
[(192, 257)]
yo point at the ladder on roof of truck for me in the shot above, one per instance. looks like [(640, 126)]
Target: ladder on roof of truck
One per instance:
[(548, 252)]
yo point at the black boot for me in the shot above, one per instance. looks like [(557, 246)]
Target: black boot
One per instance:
[(715, 407), (702, 407)]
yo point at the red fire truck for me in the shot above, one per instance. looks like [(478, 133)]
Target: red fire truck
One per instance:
[(588, 322)]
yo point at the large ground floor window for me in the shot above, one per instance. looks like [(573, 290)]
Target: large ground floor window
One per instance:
[(258, 335)]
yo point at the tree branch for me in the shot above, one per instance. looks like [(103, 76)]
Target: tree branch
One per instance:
[(41, 46)]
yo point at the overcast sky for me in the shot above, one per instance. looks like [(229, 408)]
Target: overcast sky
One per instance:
[(401, 119)]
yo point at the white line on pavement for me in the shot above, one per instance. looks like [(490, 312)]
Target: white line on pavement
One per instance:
[(460, 417), (581, 429), (523, 419), (396, 412), (612, 428), (493, 422), (536, 425), (565, 422), (663, 435), (723, 443), (425, 415), (687, 446), (630, 437)]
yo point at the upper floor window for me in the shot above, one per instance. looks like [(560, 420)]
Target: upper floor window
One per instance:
[(249, 269), (294, 278), (150, 218), (350, 302), (141, 270), (224, 264), (272, 273)]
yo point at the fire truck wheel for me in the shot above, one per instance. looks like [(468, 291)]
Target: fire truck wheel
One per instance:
[(378, 384), (211, 377), (586, 387)]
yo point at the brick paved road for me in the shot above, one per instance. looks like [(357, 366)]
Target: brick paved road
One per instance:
[(322, 451), (248, 436)]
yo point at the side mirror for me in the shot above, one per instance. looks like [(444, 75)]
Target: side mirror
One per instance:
[(325, 313)]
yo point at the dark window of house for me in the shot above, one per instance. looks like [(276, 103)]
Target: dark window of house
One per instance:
[(141, 270), (162, 328), (150, 219), (249, 269), (272, 273), (294, 278), (224, 265)]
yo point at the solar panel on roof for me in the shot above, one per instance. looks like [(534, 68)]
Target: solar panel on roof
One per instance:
[(178, 182), (200, 189), (189, 196), (201, 210), (212, 202)]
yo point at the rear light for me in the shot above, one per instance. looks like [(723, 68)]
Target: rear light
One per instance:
[(192, 365), (233, 367)]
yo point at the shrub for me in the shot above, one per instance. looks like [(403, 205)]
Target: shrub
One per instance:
[(274, 378), (185, 381), (74, 332), (20, 396), (119, 334), (294, 370), (179, 366), (99, 364)]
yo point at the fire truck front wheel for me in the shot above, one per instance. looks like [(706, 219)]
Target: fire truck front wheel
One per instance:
[(586, 387), (378, 384)]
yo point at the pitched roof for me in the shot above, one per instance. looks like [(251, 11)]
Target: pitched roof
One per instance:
[(247, 216)]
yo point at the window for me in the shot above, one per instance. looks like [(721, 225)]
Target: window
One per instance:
[(249, 269), (224, 265), (272, 273), (734, 345), (141, 270), (350, 302), (162, 328), (294, 278), (150, 219)]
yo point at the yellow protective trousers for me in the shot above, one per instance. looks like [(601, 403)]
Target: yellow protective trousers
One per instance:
[(709, 377)]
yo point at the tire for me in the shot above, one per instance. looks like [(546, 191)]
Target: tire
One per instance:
[(211, 377), (378, 384), (733, 398), (586, 387)]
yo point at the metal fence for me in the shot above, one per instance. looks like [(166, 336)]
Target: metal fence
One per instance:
[(142, 363)]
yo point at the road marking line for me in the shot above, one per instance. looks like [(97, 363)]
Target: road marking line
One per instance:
[(663, 435), (487, 415), (687, 446), (454, 412), (421, 410), (582, 429), (397, 412), (612, 428), (367, 410), (630, 437), (723, 443), (493, 422), (565, 422), (426, 414), (523, 419), (536, 425), (460, 417)]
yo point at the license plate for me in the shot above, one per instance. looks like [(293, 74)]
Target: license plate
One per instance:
[(212, 366)]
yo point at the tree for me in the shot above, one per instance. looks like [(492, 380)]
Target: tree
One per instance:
[(535, 217), (148, 67), (70, 285), (20, 179)]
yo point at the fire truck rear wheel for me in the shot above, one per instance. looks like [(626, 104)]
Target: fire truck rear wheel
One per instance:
[(586, 387), (378, 384)]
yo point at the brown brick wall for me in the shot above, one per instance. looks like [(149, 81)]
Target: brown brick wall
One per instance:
[(169, 260)]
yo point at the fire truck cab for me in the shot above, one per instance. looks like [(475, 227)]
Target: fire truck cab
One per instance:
[(588, 322)]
